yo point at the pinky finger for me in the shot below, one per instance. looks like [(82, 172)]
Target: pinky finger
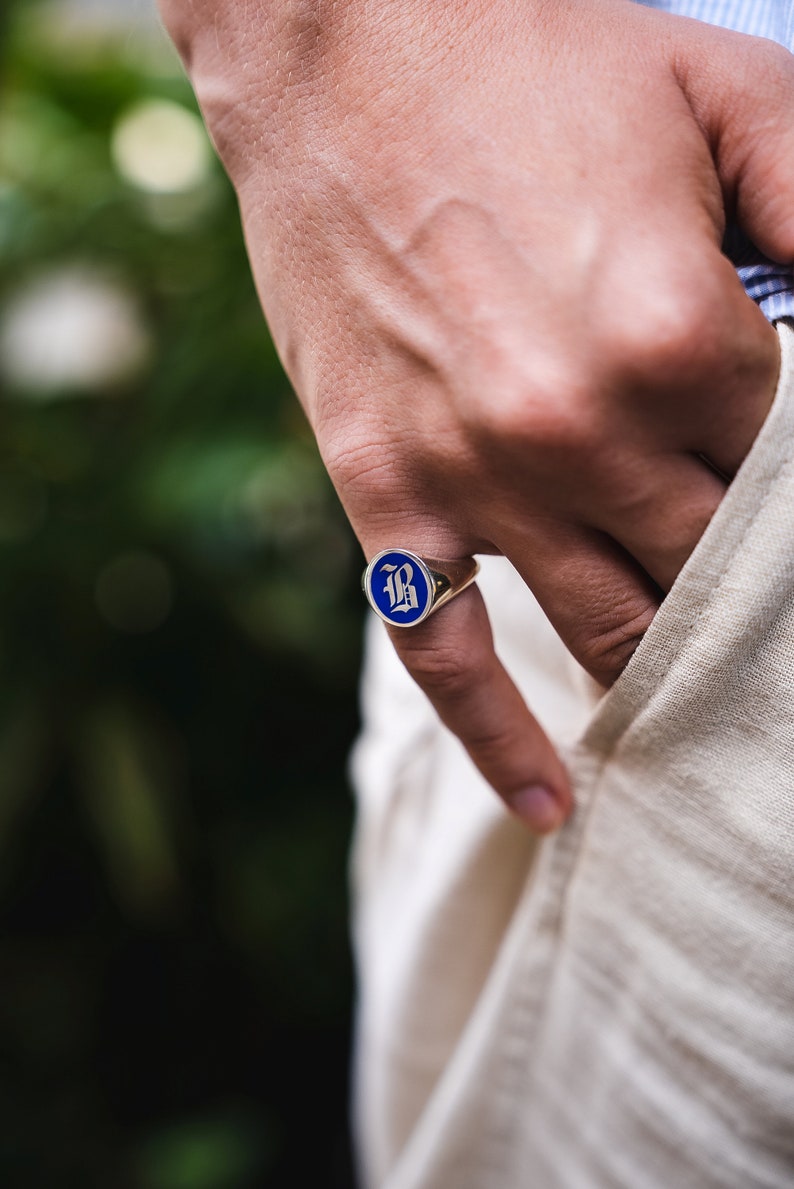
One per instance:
[(451, 656)]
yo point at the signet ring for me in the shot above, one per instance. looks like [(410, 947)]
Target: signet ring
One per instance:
[(404, 588)]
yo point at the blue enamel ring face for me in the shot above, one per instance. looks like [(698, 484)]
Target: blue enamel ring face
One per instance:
[(399, 586)]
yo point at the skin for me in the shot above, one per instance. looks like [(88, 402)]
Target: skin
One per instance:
[(486, 236)]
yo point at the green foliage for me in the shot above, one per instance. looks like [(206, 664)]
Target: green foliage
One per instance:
[(218, 1154), (179, 627)]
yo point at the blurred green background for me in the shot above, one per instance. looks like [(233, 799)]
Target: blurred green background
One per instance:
[(179, 643)]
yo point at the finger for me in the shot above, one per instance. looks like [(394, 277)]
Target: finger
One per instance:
[(661, 519), (745, 378), (742, 92), (451, 656), (711, 394), (598, 598)]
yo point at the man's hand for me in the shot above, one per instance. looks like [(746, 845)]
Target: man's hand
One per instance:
[(486, 236)]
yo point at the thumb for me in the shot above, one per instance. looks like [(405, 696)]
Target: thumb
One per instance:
[(741, 90)]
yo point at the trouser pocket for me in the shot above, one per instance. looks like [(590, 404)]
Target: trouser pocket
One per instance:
[(677, 967)]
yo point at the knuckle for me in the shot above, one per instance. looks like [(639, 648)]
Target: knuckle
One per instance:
[(374, 486), (607, 650), (360, 466), (545, 409), (444, 671), (670, 333)]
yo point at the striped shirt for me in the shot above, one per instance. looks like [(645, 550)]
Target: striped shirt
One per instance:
[(768, 283)]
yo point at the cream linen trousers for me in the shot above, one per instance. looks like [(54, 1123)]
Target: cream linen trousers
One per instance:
[(611, 1007)]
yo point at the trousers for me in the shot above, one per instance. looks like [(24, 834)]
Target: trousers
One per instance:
[(610, 1007)]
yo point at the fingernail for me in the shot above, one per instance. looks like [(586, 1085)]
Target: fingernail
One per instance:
[(538, 808)]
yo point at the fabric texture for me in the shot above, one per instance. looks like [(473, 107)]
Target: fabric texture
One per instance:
[(610, 1008)]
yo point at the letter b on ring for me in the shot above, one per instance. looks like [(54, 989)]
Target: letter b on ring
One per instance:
[(399, 587)]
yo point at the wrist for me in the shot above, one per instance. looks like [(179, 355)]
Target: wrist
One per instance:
[(247, 63)]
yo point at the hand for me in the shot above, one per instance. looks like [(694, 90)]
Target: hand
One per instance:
[(487, 240)]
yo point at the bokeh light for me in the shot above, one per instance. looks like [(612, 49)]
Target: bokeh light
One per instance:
[(161, 147), (71, 330)]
